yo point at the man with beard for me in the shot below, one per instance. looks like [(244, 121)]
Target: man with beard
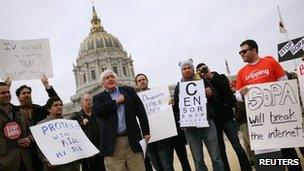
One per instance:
[(196, 136), (271, 71)]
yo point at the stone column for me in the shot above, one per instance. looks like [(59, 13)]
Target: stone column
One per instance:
[(120, 67), (75, 75)]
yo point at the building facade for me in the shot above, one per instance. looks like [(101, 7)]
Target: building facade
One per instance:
[(98, 52)]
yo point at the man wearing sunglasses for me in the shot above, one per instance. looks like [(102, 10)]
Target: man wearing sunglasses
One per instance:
[(258, 70)]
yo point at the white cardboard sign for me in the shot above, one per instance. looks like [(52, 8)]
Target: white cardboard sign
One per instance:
[(159, 112), (62, 141), (26, 59), (192, 104), (274, 116)]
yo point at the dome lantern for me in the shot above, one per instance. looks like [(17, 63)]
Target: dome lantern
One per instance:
[(96, 25)]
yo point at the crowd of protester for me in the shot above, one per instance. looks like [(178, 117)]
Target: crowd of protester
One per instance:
[(115, 121)]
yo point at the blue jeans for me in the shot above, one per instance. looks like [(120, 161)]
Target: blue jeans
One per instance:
[(195, 138), (229, 127), (161, 155)]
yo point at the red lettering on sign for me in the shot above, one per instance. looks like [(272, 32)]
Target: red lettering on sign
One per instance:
[(301, 68), (12, 130)]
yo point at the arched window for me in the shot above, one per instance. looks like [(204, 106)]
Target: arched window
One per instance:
[(93, 74), (115, 69), (84, 77)]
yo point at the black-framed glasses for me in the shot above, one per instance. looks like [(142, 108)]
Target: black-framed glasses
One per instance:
[(244, 51)]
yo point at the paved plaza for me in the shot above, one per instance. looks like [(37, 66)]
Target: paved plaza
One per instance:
[(233, 161)]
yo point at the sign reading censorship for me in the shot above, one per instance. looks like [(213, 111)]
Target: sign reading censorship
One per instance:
[(62, 141), (25, 60), (274, 115), (192, 104), (160, 113)]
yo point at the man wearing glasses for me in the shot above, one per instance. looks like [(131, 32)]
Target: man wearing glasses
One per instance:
[(258, 70)]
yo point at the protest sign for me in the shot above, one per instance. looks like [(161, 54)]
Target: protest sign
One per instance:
[(291, 49), (25, 60), (62, 141), (160, 113), (274, 115), (300, 73), (192, 104)]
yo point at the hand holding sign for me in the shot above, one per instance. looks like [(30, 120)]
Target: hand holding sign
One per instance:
[(208, 92), (45, 82), (24, 142), (8, 81), (147, 138), (244, 91)]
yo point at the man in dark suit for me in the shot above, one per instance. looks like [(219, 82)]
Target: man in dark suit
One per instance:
[(118, 107)]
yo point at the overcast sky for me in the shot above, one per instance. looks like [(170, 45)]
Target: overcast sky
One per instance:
[(158, 34)]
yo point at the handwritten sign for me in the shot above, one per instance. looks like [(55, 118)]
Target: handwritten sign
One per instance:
[(192, 104), (274, 115), (62, 141), (160, 113), (25, 60), (300, 73)]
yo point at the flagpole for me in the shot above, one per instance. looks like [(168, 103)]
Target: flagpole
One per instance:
[(228, 71), (284, 30), (281, 22)]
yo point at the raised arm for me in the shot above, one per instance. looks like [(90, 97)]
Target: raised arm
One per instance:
[(49, 89)]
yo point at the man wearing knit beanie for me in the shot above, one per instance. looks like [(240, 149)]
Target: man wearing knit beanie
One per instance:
[(187, 69), (196, 136)]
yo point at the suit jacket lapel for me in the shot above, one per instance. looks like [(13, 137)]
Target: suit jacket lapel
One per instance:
[(107, 95)]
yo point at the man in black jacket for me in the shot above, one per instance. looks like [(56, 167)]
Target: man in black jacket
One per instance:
[(118, 107), (223, 119), (91, 126)]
